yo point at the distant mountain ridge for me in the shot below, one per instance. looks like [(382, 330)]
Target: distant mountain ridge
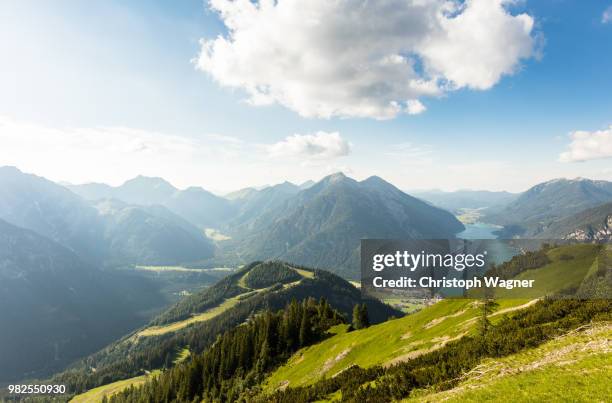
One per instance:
[(150, 235), (37, 204), (258, 203), (317, 224), (195, 204), (461, 199), (534, 210), (139, 190), (110, 232)]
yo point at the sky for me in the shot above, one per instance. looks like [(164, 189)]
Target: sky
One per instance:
[(476, 94)]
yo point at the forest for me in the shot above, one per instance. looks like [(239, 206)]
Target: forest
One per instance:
[(239, 358)]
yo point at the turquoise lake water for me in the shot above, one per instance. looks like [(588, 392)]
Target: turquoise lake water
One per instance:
[(499, 251), (479, 231)]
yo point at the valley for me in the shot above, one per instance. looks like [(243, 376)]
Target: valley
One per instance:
[(193, 284)]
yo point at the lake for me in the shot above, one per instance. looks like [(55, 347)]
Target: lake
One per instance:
[(499, 251), (479, 230)]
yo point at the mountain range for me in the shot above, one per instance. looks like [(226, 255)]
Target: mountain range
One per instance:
[(322, 225), (465, 199), (59, 248), (199, 206), (149, 235), (317, 224), (539, 207), (102, 233), (58, 244)]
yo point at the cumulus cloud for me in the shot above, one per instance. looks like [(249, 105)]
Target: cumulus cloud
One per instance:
[(589, 146), (606, 17), (360, 58), (318, 146)]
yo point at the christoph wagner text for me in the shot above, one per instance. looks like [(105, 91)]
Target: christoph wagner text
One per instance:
[(413, 261), (427, 282)]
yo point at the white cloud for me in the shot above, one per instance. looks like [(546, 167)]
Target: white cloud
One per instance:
[(318, 146), (606, 17), (414, 107), (588, 146), (359, 58)]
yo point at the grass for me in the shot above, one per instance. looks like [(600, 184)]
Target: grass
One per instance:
[(382, 344), (304, 273), (558, 275), (173, 327), (576, 367), (406, 305), (97, 394)]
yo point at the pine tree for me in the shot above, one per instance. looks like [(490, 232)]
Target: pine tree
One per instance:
[(357, 317), (305, 329), (363, 316), (360, 316)]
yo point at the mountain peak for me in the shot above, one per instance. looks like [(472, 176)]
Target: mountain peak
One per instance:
[(10, 168), (306, 184), (375, 180), (12, 172), (335, 177), (149, 181), (287, 184)]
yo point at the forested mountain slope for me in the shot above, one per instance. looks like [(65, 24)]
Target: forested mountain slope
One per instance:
[(196, 321), (56, 307), (322, 226)]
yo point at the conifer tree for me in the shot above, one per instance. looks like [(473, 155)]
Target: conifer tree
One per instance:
[(305, 329), (363, 316), (360, 316), (356, 317)]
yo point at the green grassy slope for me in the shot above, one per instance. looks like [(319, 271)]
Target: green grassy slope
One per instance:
[(576, 367), (432, 327), (569, 266), (386, 343), (96, 395)]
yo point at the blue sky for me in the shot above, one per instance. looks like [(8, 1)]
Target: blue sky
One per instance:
[(119, 78)]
